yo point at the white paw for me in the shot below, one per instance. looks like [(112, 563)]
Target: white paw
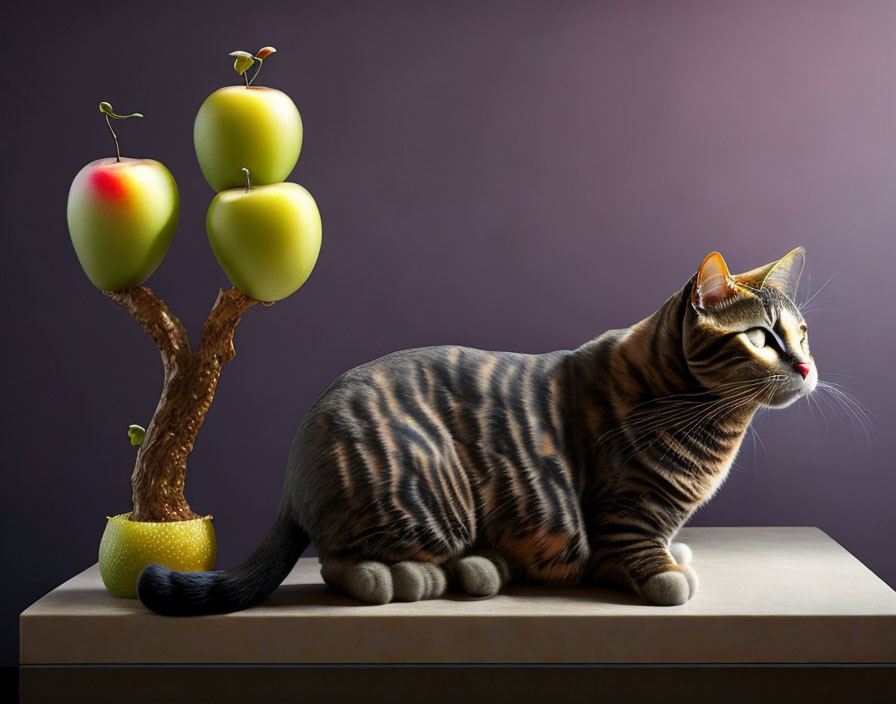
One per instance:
[(681, 553), (671, 588)]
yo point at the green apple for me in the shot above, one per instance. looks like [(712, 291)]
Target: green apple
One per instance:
[(253, 127), (266, 238), (121, 218)]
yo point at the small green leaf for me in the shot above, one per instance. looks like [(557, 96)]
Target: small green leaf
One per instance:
[(265, 52), (106, 109), (243, 61), (136, 434)]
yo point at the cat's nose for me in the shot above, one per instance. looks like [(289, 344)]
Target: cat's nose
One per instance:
[(802, 368)]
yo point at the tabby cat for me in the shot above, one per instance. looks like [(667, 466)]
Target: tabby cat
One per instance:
[(454, 468)]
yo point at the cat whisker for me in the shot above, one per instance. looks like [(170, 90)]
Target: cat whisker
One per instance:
[(649, 422), (811, 298), (662, 399), (696, 419), (820, 309), (757, 396), (853, 409), (756, 437), (843, 393), (810, 400), (701, 424), (708, 396)]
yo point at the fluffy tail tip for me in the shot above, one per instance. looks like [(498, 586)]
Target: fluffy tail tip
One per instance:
[(154, 589)]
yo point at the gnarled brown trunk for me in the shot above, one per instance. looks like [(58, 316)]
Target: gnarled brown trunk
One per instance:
[(190, 379)]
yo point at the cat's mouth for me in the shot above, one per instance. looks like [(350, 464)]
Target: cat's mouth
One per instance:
[(794, 386)]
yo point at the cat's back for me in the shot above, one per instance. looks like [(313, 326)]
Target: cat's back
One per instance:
[(386, 399), (420, 375)]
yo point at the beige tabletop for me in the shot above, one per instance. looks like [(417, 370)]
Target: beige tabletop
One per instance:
[(767, 595)]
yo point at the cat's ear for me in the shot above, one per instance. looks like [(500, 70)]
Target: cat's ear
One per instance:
[(783, 275), (714, 287)]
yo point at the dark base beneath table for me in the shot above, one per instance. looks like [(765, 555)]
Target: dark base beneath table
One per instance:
[(434, 684)]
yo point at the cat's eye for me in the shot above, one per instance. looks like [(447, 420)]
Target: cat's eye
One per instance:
[(756, 336)]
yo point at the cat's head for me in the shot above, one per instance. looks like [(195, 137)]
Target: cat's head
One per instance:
[(744, 333)]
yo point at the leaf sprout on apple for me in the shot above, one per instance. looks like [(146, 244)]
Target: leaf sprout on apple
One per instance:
[(106, 109), (243, 61)]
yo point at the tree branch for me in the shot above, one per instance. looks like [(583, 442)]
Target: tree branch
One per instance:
[(190, 382), (157, 321), (216, 343)]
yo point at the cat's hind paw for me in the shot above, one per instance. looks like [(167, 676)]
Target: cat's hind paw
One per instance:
[(681, 553), (367, 581), (671, 588), (482, 574)]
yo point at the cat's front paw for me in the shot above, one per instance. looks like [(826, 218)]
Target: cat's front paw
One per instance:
[(681, 553), (671, 588)]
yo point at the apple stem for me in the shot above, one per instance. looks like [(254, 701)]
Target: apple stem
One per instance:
[(257, 71), (107, 111), (248, 185), (114, 138)]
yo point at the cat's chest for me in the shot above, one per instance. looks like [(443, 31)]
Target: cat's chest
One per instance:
[(715, 475), (712, 483)]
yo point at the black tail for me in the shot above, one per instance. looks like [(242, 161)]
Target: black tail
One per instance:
[(196, 593)]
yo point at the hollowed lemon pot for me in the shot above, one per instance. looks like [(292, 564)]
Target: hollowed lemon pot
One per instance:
[(129, 546)]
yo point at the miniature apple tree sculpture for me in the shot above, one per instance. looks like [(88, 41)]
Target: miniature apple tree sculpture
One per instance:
[(122, 214)]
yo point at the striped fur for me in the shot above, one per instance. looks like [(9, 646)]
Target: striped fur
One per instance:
[(575, 466)]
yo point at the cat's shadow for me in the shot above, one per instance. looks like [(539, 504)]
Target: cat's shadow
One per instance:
[(295, 595)]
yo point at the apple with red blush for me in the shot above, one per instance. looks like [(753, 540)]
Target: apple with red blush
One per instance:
[(122, 214)]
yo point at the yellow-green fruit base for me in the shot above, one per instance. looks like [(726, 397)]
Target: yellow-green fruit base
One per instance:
[(129, 546)]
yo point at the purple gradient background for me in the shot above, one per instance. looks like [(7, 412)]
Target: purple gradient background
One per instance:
[(518, 176)]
